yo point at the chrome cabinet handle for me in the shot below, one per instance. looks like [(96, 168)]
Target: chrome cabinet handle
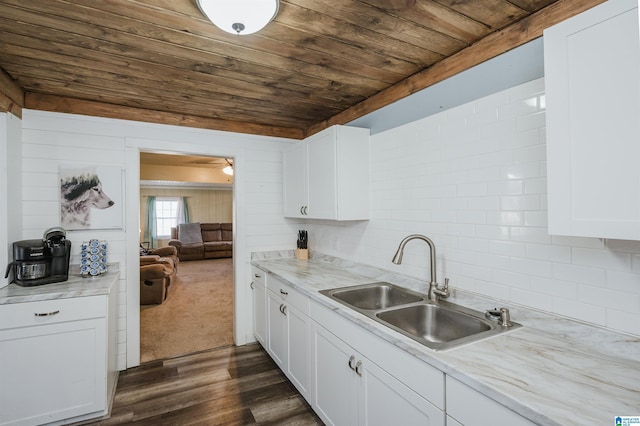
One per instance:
[(351, 359), (301, 209), (305, 210), (283, 292), (281, 305), (252, 286), (47, 314), (358, 368), (283, 309), (257, 275)]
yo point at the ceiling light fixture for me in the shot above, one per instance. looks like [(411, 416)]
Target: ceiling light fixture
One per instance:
[(240, 17), (228, 170)]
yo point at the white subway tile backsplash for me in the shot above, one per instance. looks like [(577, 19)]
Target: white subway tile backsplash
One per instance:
[(511, 279), (507, 248), (536, 218), (535, 186), (534, 268), (579, 274), (510, 187), (624, 281), (553, 287), (531, 298), (505, 218), (548, 252), (530, 234), (521, 171), (478, 186), (624, 321), (493, 260), (608, 298), (520, 202), (601, 258)]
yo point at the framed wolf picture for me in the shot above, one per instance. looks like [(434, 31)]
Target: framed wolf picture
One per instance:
[(91, 197)]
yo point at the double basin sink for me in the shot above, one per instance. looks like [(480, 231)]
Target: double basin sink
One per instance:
[(438, 326)]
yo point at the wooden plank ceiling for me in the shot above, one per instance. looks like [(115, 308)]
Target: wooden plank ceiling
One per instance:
[(320, 62)]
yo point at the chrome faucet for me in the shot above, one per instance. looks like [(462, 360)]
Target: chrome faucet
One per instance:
[(435, 292)]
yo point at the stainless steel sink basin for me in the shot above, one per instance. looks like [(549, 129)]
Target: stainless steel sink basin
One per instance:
[(379, 295), (438, 326)]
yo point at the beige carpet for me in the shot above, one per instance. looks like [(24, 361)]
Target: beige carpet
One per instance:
[(197, 315)]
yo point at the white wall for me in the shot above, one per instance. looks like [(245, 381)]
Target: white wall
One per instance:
[(473, 179), (10, 188), (50, 139)]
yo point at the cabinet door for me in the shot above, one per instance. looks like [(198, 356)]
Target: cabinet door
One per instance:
[(334, 393), (277, 342), (592, 64), (260, 313), (52, 372), (295, 183), (323, 202), (472, 408), (299, 356), (385, 401)]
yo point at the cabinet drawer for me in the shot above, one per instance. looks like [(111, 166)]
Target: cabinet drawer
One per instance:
[(52, 311), (289, 295), (258, 276)]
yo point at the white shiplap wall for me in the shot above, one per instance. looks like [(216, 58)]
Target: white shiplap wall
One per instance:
[(474, 179), (10, 188), (51, 139)]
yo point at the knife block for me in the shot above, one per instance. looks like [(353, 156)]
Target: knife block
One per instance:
[(302, 254)]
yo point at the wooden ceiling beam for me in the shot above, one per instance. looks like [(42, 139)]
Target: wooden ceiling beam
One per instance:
[(487, 48), (11, 95), (53, 103)]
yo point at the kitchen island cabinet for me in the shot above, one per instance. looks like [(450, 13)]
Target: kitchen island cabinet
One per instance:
[(57, 356), (326, 176), (592, 64)]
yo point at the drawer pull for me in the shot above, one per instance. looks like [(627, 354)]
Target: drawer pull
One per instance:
[(358, 368), (252, 286), (351, 359), (47, 314), (283, 292), (257, 275)]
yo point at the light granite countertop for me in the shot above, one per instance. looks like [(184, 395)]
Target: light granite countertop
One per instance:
[(553, 371), (75, 286)]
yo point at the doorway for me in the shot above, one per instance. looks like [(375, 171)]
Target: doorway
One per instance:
[(196, 311)]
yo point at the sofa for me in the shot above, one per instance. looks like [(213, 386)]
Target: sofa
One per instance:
[(158, 270), (196, 241)]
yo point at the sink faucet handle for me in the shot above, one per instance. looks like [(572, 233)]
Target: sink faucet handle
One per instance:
[(446, 284)]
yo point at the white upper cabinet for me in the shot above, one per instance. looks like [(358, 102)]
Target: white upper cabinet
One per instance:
[(326, 176), (592, 78)]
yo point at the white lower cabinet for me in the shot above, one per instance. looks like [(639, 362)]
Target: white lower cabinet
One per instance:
[(349, 376), (57, 359), (259, 293), (471, 408), (369, 381), (289, 333), (453, 422), (350, 389)]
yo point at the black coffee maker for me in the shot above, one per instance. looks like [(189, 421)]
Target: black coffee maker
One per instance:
[(37, 262)]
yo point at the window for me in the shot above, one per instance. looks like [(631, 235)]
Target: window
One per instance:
[(166, 216)]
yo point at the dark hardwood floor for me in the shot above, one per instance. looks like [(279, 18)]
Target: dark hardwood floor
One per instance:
[(225, 386)]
